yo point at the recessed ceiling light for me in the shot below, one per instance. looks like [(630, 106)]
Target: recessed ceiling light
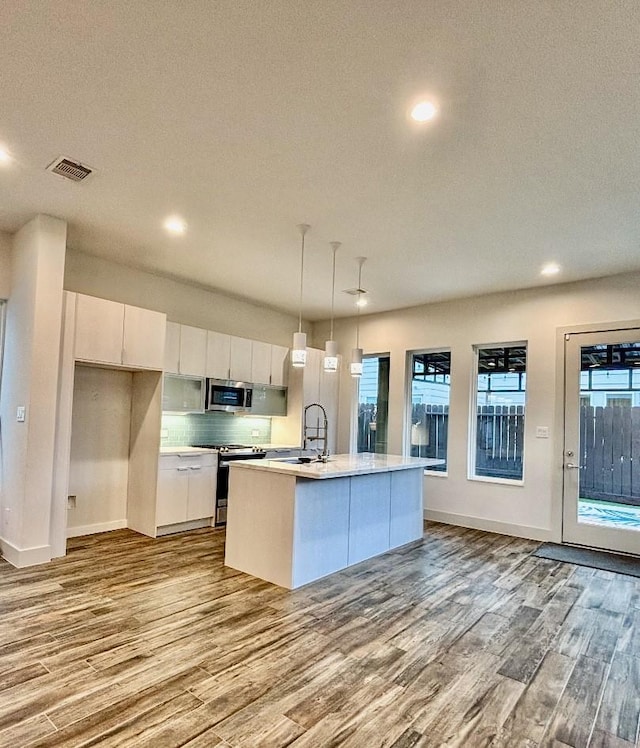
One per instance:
[(424, 111), (5, 156), (551, 268), (175, 225), (361, 302)]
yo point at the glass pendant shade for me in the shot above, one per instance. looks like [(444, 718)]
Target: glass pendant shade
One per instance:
[(330, 356), (299, 350), (356, 362)]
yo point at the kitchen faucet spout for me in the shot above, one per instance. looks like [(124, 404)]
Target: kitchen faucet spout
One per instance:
[(321, 433)]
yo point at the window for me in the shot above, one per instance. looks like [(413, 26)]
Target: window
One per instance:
[(499, 411), (373, 404), (430, 393)]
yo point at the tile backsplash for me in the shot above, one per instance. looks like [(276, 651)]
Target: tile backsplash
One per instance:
[(214, 428)]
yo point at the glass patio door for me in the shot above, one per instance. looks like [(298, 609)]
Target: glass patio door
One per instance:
[(601, 501)]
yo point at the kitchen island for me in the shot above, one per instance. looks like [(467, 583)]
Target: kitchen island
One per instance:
[(291, 523)]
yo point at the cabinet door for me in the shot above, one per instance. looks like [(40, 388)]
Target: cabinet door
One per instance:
[(321, 529), (329, 382), (193, 350), (311, 380), (171, 500), (369, 510), (218, 354), (240, 360), (279, 361), (407, 520), (260, 362), (202, 494), (172, 348), (144, 338), (99, 326)]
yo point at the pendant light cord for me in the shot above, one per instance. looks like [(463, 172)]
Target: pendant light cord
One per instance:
[(361, 260), (304, 227), (335, 246)]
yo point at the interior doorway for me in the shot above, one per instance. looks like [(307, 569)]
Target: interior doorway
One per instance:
[(601, 487)]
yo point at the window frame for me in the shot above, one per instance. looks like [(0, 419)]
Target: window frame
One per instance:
[(408, 405), (473, 416)]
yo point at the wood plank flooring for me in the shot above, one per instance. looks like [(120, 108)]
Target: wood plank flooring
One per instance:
[(463, 639)]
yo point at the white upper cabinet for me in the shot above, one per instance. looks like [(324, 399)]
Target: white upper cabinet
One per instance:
[(185, 350), (172, 348), (108, 332), (261, 362), (279, 365), (193, 350), (99, 329), (144, 337), (218, 355), (240, 359)]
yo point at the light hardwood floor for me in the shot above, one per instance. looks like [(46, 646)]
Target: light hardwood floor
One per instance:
[(463, 639)]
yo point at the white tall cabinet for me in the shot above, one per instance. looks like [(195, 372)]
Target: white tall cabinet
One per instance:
[(129, 340), (306, 386)]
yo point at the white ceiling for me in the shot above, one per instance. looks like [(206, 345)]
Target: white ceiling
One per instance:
[(248, 117)]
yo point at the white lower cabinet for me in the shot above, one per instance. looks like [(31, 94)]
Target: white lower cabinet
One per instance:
[(186, 488)]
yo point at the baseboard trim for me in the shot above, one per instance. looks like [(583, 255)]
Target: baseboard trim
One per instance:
[(76, 532), (21, 557), (489, 525), (193, 524)]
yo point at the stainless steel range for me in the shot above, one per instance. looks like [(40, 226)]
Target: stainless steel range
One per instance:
[(226, 454)]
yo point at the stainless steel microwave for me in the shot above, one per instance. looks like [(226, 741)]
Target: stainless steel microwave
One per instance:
[(232, 397)]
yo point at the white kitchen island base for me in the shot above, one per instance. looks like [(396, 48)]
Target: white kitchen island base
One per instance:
[(293, 524)]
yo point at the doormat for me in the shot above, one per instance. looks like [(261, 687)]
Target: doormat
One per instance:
[(587, 557)]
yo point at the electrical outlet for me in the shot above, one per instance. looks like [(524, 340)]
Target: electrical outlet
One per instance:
[(71, 502), (21, 413), (542, 432), (255, 432)]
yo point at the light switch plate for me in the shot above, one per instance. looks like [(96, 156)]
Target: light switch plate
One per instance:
[(542, 432)]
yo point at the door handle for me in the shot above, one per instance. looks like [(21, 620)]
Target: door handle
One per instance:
[(571, 466), (196, 467)]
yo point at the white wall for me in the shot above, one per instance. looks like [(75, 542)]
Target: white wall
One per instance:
[(30, 379), (181, 302), (533, 509), (99, 461), (5, 265)]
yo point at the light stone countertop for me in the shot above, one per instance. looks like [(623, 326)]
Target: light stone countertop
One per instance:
[(195, 450), (338, 466)]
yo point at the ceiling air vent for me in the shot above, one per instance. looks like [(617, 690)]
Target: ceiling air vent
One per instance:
[(355, 291), (69, 169)]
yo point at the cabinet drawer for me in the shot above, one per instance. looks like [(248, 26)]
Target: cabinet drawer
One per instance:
[(173, 462)]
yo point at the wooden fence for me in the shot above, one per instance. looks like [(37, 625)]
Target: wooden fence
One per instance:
[(610, 453), (370, 438), (609, 439), (500, 441)]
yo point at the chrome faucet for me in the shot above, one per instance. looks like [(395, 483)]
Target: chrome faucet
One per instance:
[(321, 432)]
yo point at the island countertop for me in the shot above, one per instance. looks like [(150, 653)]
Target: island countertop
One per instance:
[(338, 466)]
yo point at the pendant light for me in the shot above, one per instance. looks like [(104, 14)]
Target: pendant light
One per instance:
[(299, 351), (356, 354), (331, 347)]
